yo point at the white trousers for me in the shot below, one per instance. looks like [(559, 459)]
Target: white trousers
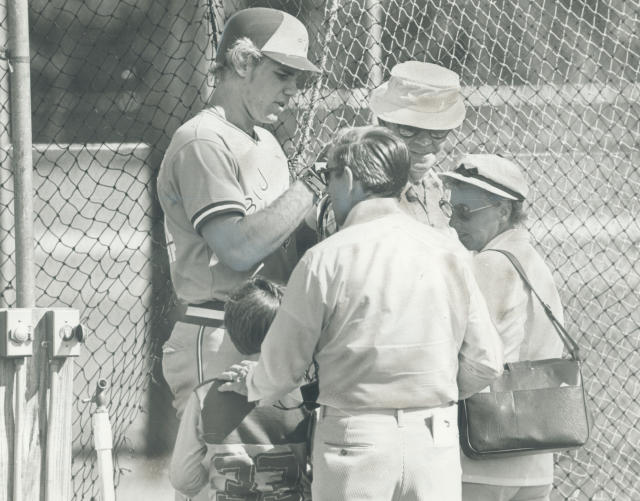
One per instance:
[(387, 455)]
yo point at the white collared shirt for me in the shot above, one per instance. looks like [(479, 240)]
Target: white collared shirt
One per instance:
[(389, 309)]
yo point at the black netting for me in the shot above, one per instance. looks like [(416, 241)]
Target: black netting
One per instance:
[(553, 84)]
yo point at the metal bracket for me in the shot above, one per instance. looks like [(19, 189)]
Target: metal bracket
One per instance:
[(65, 333), (16, 332)]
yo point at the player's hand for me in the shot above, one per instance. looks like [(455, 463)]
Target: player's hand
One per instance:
[(314, 176), (236, 375)]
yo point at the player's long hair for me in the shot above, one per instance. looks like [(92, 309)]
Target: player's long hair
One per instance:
[(376, 156), (242, 51)]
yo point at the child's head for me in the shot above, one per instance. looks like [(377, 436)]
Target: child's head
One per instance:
[(249, 311)]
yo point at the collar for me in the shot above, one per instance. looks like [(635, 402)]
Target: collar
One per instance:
[(372, 208), (220, 112), (513, 235)]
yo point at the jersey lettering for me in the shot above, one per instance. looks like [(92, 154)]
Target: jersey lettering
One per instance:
[(266, 477)]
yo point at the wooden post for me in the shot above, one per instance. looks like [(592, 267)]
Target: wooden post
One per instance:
[(59, 437)]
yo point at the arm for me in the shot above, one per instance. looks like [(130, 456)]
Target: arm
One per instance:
[(186, 472), (506, 298), (241, 242), (288, 347), (480, 359), (205, 181)]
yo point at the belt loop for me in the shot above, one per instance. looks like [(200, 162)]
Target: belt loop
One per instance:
[(400, 417)]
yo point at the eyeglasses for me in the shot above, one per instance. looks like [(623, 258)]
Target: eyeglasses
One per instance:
[(461, 211), (409, 132), (324, 171)]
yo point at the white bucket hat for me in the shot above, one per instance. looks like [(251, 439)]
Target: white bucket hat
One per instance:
[(491, 173), (422, 95)]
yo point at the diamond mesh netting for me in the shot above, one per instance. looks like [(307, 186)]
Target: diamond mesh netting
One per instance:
[(553, 84)]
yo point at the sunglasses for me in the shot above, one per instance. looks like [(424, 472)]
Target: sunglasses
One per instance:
[(409, 132), (461, 211), (323, 171)]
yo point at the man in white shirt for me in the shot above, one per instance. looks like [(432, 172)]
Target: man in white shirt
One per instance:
[(389, 311)]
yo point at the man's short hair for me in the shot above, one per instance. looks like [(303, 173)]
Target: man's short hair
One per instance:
[(376, 156), (249, 312)]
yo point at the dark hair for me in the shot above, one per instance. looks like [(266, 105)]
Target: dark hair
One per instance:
[(376, 156), (249, 312)]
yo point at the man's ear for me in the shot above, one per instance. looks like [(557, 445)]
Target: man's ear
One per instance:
[(244, 65), (349, 177), (505, 211)]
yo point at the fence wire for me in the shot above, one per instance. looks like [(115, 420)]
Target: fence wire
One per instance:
[(555, 85)]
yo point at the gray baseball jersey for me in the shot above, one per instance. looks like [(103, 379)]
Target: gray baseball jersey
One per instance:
[(212, 168)]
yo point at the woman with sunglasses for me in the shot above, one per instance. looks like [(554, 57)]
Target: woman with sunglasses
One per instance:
[(486, 211)]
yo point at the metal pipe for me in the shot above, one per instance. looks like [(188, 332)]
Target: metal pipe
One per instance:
[(103, 442), (20, 81), (374, 55), (22, 161), (6, 192)]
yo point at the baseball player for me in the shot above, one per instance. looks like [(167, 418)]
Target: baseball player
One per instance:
[(223, 185), (253, 452), (389, 310), (224, 189)]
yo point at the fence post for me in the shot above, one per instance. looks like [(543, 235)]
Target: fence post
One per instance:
[(375, 14), (20, 95), (6, 190), (6, 366)]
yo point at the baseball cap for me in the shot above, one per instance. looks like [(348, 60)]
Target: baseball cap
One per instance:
[(423, 95), (491, 173), (278, 35)]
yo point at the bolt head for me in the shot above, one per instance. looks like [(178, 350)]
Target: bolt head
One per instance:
[(21, 334), (66, 332)]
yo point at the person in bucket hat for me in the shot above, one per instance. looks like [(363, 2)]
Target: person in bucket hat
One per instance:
[(229, 207), (422, 104), (486, 211)]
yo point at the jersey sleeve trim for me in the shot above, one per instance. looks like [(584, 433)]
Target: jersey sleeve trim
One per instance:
[(216, 209)]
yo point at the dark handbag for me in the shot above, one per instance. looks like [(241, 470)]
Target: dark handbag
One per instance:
[(535, 406)]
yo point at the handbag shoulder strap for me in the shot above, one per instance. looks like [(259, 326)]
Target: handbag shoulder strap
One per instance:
[(570, 344)]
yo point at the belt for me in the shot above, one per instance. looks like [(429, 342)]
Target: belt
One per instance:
[(209, 314), (397, 413)]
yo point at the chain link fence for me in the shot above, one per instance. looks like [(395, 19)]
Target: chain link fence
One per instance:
[(555, 85)]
